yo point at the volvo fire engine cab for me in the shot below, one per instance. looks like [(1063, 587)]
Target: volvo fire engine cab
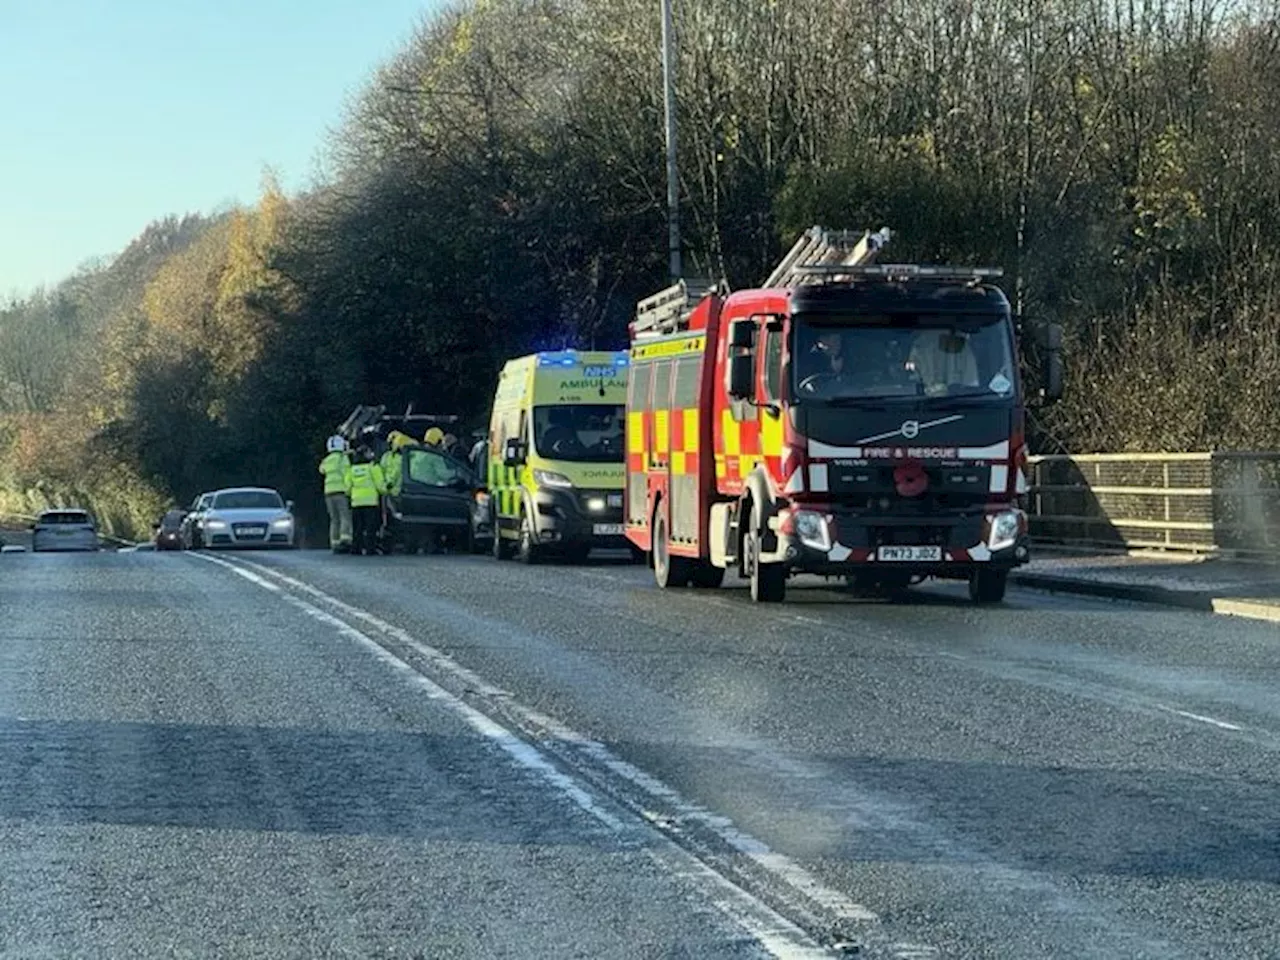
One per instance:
[(845, 419)]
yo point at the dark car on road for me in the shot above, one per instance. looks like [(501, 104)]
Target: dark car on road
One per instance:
[(168, 531)]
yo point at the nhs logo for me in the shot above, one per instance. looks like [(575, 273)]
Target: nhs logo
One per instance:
[(598, 372)]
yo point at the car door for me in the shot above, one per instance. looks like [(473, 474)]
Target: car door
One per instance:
[(437, 487)]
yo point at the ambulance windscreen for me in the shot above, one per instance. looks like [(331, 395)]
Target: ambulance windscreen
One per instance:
[(584, 433)]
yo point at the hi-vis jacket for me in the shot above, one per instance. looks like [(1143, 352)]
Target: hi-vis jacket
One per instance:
[(334, 469), (365, 484)]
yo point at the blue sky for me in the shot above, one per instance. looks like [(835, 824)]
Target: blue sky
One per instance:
[(116, 112)]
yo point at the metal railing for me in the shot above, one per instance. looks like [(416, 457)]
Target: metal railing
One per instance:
[(1210, 503)]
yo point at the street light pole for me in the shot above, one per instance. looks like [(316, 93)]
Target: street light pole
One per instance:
[(673, 181)]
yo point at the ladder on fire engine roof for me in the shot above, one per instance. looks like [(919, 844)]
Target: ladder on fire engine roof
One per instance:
[(825, 255), (819, 249), (668, 310)]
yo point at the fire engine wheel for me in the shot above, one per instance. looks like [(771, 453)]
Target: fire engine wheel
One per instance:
[(768, 580), (988, 586), (668, 571), (530, 551)]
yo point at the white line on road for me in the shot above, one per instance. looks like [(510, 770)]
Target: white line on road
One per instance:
[(777, 935), (779, 865), (1201, 717)]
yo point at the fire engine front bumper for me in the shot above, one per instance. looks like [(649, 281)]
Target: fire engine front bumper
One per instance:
[(816, 541)]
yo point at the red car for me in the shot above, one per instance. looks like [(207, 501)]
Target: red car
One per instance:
[(168, 532)]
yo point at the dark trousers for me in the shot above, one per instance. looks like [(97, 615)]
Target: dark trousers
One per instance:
[(365, 522)]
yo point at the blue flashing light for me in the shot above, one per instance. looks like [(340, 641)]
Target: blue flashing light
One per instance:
[(568, 361)]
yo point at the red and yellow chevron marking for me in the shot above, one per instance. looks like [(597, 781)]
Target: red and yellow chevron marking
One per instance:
[(743, 445)]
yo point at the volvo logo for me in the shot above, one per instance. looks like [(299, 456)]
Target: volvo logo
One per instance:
[(910, 429)]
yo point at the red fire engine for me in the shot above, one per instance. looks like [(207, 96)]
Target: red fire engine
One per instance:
[(845, 418)]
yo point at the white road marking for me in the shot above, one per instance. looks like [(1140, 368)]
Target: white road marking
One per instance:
[(1201, 717), (777, 864), (777, 935)]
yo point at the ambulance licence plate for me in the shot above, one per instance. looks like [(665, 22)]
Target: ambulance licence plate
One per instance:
[(909, 554), (606, 529)]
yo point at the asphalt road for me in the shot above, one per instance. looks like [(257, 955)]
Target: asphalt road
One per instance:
[(303, 755)]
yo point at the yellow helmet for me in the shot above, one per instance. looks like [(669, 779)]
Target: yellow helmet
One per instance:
[(434, 437), (398, 439)]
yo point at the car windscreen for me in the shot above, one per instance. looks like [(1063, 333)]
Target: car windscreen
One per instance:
[(435, 469), (64, 517), (583, 433), (886, 358), (248, 500)]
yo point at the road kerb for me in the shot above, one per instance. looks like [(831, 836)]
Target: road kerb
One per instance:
[(1253, 609), (1163, 596)]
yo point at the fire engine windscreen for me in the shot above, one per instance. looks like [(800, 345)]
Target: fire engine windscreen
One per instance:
[(887, 358), (586, 433)]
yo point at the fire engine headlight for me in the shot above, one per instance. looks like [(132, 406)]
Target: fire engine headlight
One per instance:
[(813, 530), (549, 478), (1005, 528)]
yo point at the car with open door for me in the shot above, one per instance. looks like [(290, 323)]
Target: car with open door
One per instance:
[(432, 505)]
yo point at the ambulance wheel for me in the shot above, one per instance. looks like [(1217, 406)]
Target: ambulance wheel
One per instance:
[(502, 548), (530, 551), (668, 571), (987, 586), (707, 577), (768, 580)]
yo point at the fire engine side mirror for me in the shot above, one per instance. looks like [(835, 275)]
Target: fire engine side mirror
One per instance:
[(742, 376), (1054, 373), (742, 334), (515, 454)]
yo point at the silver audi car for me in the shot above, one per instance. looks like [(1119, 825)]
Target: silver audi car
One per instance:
[(64, 530), (248, 517)]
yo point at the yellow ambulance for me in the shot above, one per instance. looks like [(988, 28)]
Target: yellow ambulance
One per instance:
[(556, 454)]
